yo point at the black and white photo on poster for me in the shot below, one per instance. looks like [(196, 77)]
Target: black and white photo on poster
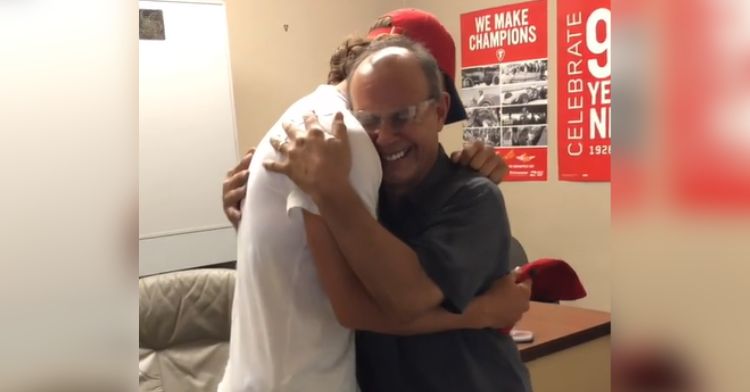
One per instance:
[(523, 71), (480, 76), (525, 93), (480, 97), (483, 117), (490, 136), (524, 115), (510, 112), (524, 135)]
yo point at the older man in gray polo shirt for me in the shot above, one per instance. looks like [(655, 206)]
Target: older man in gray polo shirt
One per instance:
[(445, 234)]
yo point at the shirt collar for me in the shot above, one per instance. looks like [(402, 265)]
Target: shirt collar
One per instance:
[(432, 180), (392, 212)]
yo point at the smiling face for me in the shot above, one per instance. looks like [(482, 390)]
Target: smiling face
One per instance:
[(390, 93)]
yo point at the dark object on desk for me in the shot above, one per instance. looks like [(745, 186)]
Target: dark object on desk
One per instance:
[(521, 335)]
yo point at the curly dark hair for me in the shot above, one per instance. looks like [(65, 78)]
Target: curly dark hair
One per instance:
[(344, 57)]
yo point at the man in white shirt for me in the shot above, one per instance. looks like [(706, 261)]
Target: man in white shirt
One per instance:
[(284, 333)]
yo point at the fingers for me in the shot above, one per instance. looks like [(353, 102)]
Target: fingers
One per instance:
[(238, 180), (234, 215), (468, 153), (524, 284), (234, 192), (291, 130), (339, 128), (499, 171), (234, 195), (232, 201), (276, 167), (313, 132), (473, 154), (280, 145), (456, 156), (514, 274), (311, 122), (233, 188), (245, 162), (297, 136), (313, 127), (482, 157), (489, 167), (525, 288)]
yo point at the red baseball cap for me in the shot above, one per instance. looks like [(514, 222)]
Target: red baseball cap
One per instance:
[(426, 29), (552, 280)]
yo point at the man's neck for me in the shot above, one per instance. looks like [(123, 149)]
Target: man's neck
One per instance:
[(342, 87), (395, 194)]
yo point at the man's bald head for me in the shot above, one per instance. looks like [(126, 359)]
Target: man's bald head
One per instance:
[(400, 50)]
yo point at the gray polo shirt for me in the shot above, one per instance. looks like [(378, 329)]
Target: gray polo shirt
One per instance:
[(456, 222)]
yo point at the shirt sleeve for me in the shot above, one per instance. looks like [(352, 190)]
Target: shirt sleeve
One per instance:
[(466, 246), (365, 175)]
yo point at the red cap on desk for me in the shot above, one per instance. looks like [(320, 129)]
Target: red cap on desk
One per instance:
[(552, 280)]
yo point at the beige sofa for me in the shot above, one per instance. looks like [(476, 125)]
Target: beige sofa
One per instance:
[(184, 326), (185, 318)]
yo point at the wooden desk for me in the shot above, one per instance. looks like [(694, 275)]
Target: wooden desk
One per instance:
[(571, 348)]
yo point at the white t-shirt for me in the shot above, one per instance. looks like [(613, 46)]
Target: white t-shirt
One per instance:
[(285, 336)]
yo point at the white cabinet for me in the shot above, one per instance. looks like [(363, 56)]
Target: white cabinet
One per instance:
[(187, 138)]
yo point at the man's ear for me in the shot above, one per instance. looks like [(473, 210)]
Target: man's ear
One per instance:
[(442, 104)]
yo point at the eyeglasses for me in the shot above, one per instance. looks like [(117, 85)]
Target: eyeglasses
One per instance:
[(397, 119)]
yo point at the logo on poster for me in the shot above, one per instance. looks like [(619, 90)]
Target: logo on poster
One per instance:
[(525, 158), (500, 54)]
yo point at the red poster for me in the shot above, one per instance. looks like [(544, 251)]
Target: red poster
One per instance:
[(504, 84), (584, 76)]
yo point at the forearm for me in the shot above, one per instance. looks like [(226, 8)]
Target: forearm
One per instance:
[(353, 305), (432, 321), (388, 268), (364, 314), (481, 313)]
